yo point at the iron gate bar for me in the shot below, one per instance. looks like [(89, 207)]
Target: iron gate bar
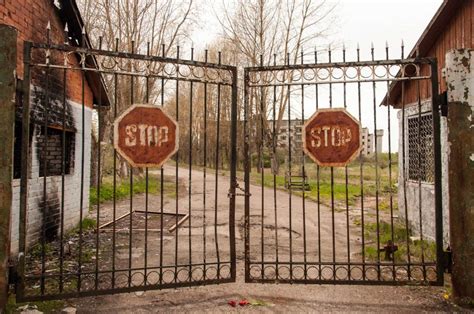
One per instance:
[(274, 171), (162, 94), (45, 160), (376, 169), (261, 167), (147, 100), (346, 174), (205, 168), (289, 169), (131, 189), (404, 165), (258, 77), (303, 157), (389, 122), (317, 178), (359, 98), (224, 76), (176, 174), (419, 177), (115, 175), (333, 230), (217, 165)]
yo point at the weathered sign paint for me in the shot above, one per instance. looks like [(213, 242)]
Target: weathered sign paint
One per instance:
[(331, 137), (145, 136)]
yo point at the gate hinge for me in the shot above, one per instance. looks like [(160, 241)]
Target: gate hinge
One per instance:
[(237, 187), (443, 104), (448, 260)]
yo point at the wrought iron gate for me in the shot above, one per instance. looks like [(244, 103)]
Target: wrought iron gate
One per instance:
[(369, 222), (377, 220), (178, 232)]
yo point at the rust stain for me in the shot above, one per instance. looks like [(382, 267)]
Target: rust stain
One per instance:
[(331, 137), (145, 136)]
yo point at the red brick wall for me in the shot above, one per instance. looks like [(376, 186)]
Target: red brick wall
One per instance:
[(30, 18)]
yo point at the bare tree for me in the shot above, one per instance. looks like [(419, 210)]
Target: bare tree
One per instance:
[(146, 26), (266, 31)]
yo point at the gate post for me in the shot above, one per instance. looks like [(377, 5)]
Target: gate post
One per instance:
[(460, 86), (7, 126)]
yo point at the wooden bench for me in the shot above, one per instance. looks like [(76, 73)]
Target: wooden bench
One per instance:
[(297, 182)]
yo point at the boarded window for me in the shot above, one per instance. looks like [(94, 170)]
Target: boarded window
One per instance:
[(51, 155), (420, 148)]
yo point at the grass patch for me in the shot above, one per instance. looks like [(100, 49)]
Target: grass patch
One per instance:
[(87, 225), (373, 175), (122, 189), (37, 250), (418, 248), (324, 188)]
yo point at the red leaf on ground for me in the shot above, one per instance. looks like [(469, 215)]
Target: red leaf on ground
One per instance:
[(232, 303), (244, 302)]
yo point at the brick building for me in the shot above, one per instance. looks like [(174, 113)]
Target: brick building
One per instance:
[(31, 18)]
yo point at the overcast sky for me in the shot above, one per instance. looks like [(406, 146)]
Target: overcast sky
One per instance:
[(358, 21)]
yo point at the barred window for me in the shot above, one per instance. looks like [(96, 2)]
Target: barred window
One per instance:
[(420, 148)]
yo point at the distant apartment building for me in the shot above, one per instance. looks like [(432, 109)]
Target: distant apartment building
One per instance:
[(290, 133), (293, 132), (368, 142)]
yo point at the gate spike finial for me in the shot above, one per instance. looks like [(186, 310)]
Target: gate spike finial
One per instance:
[(386, 44), (66, 34)]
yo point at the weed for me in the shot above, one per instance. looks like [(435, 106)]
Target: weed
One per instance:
[(418, 248), (37, 250)]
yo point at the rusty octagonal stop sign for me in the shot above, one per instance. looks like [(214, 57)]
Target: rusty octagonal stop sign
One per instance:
[(145, 136), (331, 137)]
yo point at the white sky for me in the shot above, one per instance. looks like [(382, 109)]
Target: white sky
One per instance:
[(358, 21)]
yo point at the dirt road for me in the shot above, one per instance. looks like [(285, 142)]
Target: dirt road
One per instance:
[(270, 297)]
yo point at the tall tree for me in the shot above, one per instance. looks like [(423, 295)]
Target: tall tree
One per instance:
[(264, 32), (144, 26)]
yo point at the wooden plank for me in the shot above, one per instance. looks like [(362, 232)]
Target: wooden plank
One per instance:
[(176, 225), (469, 32), (472, 22), (116, 219)]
